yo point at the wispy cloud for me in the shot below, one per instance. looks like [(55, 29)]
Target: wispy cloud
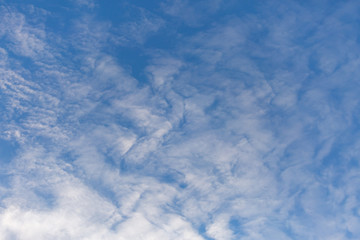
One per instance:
[(141, 27), (245, 129), (192, 14)]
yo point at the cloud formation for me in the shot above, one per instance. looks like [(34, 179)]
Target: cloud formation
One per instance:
[(176, 121)]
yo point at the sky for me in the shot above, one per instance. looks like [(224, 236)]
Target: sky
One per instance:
[(179, 120)]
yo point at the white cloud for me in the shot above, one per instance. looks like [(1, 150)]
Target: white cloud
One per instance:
[(88, 3), (255, 127), (140, 28), (23, 39), (192, 14)]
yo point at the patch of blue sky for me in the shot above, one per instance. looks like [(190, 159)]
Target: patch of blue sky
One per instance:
[(235, 225), (8, 150)]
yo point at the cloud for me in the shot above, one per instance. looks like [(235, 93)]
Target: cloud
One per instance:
[(192, 14), (139, 29), (23, 39), (87, 3), (244, 129)]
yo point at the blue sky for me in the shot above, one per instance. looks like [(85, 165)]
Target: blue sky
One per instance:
[(176, 119)]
